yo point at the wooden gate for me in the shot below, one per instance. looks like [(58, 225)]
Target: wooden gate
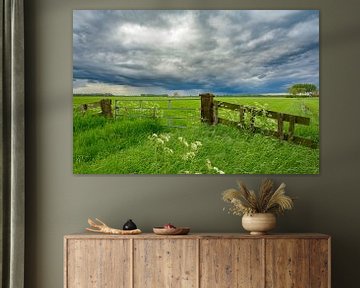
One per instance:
[(171, 110)]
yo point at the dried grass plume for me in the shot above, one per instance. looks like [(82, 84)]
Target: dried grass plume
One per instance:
[(267, 200)]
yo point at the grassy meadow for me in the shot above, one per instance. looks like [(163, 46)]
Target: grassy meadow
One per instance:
[(132, 145)]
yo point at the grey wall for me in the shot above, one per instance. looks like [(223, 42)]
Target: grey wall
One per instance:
[(59, 203)]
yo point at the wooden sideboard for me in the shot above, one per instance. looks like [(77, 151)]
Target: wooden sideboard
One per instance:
[(197, 260)]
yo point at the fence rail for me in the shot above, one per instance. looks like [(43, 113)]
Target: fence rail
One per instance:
[(210, 114)]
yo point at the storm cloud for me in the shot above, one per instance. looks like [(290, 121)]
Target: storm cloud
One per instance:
[(165, 51)]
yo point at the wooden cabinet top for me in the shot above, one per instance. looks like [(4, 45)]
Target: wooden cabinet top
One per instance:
[(199, 236)]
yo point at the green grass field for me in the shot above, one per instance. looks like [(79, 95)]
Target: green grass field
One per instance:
[(129, 145)]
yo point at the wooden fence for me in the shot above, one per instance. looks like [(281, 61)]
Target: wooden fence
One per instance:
[(210, 114), (148, 109), (104, 104)]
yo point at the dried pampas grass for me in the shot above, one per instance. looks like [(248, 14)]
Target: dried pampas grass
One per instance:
[(267, 200)]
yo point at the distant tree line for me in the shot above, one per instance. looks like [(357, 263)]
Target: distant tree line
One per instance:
[(154, 95), (93, 94), (304, 89)]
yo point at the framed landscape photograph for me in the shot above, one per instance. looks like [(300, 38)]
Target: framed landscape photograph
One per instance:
[(196, 92)]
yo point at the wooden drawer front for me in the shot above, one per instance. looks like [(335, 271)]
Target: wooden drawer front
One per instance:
[(98, 263), (231, 263), (297, 263), (165, 263)]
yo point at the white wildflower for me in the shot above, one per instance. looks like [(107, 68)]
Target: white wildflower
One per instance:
[(213, 168), (188, 155), (194, 146), (217, 170), (165, 137), (208, 164), (168, 150), (160, 141), (198, 143), (182, 140)]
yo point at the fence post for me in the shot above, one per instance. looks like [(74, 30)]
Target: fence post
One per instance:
[(83, 108), (241, 116), (252, 119), (106, 109), (281, 126), (169, 118), (215, 112), (208, 113), (116, 109), (291, 128), (141, 108)]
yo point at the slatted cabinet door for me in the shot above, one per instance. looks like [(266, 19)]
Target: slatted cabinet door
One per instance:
[(98, 263), (165, 263), (320, 263), (297, 263), (231, 263), (197, 261), (287, 263)]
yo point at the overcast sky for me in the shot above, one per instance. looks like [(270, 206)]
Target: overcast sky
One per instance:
[(128, 52)]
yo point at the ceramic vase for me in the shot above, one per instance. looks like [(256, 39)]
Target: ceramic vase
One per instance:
[(259, 223)]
